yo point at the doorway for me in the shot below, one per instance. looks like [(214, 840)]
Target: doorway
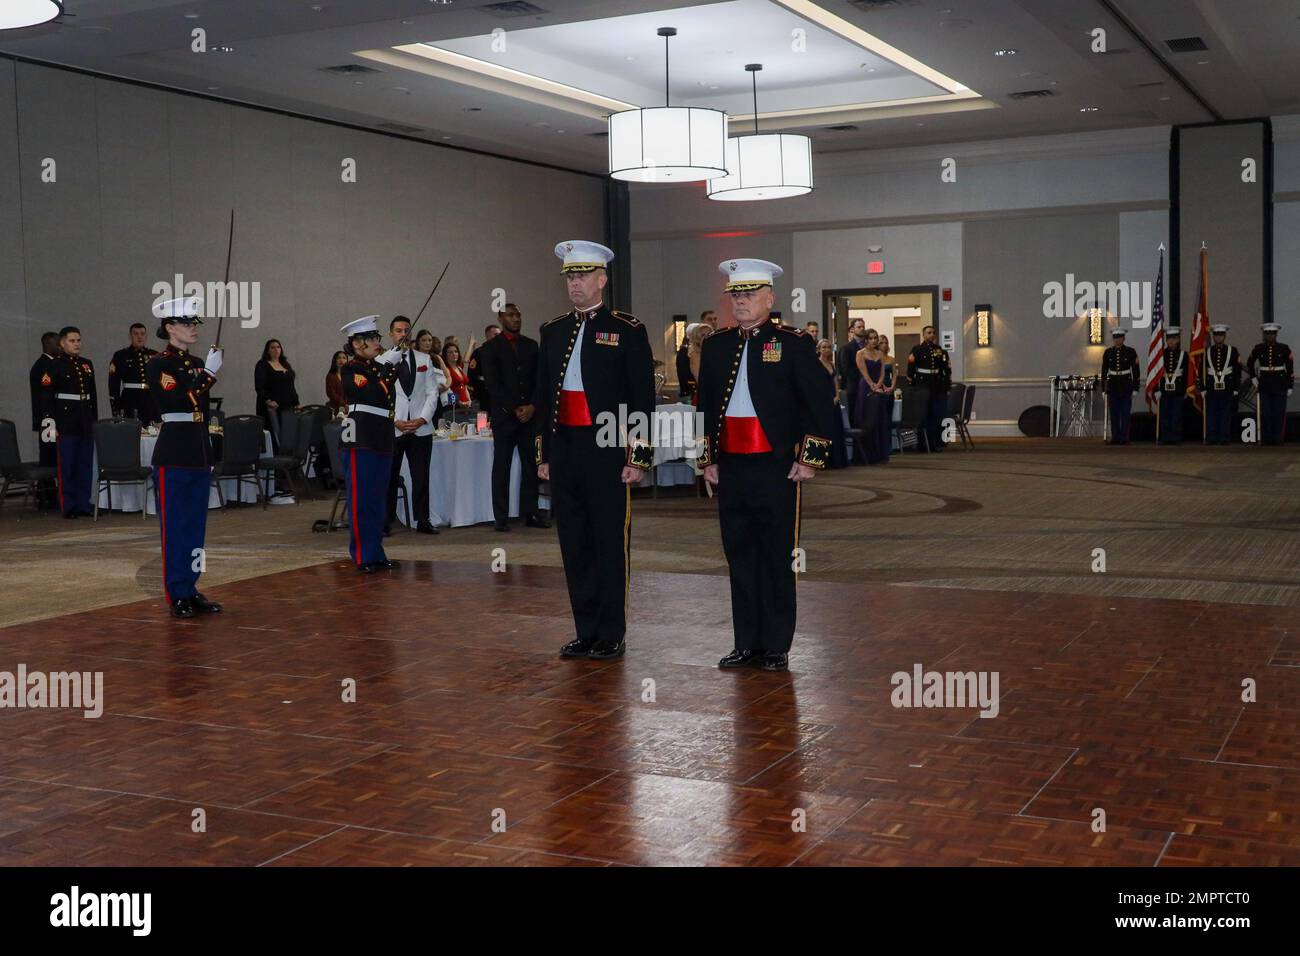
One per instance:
[(899, 312)]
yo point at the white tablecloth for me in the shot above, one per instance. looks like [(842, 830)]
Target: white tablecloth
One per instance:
[(460, 482), (131, 497), (674, 435)]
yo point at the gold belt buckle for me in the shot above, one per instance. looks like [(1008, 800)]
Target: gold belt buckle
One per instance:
[(1218, 386), (1169, 387), (198, 416)]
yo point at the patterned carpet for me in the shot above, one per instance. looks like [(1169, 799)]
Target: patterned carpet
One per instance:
[(1188, 523)]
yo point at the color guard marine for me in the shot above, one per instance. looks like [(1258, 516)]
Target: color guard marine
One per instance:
[(1272, 366), (928, 368), (594, 366), (1219, 383), (182, 458), (70, 402), (367, 441), (767, 425), (1120, 378), (128, 390), (1171, 386)]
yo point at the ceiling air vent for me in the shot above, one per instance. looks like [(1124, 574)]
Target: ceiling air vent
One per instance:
[(1186, 45), (1030, 95), (349, 69), (513, 8), (398, 128), (844, 128)]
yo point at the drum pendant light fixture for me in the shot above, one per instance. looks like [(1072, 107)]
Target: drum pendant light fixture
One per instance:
[(667, 144), (16, 14), (764, 165)]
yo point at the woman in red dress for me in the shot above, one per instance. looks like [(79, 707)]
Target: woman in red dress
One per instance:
[(459, 383)]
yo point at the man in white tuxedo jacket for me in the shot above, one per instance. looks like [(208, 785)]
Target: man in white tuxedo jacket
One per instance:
[(415, 399)]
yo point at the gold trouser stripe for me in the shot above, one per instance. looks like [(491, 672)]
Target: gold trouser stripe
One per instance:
[(798, 509), (627, 548)]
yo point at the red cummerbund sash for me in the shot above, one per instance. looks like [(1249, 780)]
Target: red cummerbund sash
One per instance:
[(743, 436), (573, 409)]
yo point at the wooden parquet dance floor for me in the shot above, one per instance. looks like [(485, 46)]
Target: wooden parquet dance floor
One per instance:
[(471, 743)]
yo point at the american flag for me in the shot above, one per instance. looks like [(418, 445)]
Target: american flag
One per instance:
[(1156, 347)]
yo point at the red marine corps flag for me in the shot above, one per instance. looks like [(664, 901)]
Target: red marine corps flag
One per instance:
[(1200, 334)]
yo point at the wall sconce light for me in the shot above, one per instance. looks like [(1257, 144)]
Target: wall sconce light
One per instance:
[(983, 326), (679, 330), (1096, 325)]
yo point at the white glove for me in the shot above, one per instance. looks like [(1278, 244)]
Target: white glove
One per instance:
[(391, 357), (213, 364)]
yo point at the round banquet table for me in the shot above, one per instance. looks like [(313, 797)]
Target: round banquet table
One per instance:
[(130, 497), (460, 482)]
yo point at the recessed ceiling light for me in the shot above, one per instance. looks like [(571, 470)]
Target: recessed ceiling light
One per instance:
[(358, 83), (561, 131), (1007, 52), (1202, 62), (191, 16), (1089, 109), (213, 89), (407, 23), (920, 124), (1164, 99)]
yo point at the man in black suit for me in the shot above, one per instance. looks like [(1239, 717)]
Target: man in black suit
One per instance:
[(40, 376), (508, 365), (767, 425), (595, 398), (846, 362), (478, 388)]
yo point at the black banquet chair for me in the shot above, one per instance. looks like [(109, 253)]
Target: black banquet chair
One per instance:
[(241, 447), (117, 449), (911, 421), (13, 470)]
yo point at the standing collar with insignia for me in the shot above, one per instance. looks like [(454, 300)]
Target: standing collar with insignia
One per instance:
[(585, 314), (750, 332)]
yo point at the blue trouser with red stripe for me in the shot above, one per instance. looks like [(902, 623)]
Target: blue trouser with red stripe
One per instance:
[(366, 473), (76, 472), (183, 518)]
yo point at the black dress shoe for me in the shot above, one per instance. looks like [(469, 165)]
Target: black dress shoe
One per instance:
[(203, 606), (370, 567), (69, 514), (739, 658), (537, 521), (183, 607), (426, 527), (500, 526), (776, 662), (576, 648), (85, 512), (388, 564), (606, 651)]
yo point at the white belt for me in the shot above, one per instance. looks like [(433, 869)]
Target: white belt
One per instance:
[(182, 416), (141, 385), (370, 410), (1127, 371), (1262, 368), (928, 371), (68, 397)]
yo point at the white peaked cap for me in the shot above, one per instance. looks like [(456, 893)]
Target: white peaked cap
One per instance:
[(580, 255), (365, 325), (186, 307), (745, 274)]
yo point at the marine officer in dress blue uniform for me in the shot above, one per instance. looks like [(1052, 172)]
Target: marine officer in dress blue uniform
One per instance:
[(1272, 366), (182, 459), (128, 392), (366, 442), (1220, 380), (595, 372), (1171, 386), (69, 399), (1120, 378), (767, 425)]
